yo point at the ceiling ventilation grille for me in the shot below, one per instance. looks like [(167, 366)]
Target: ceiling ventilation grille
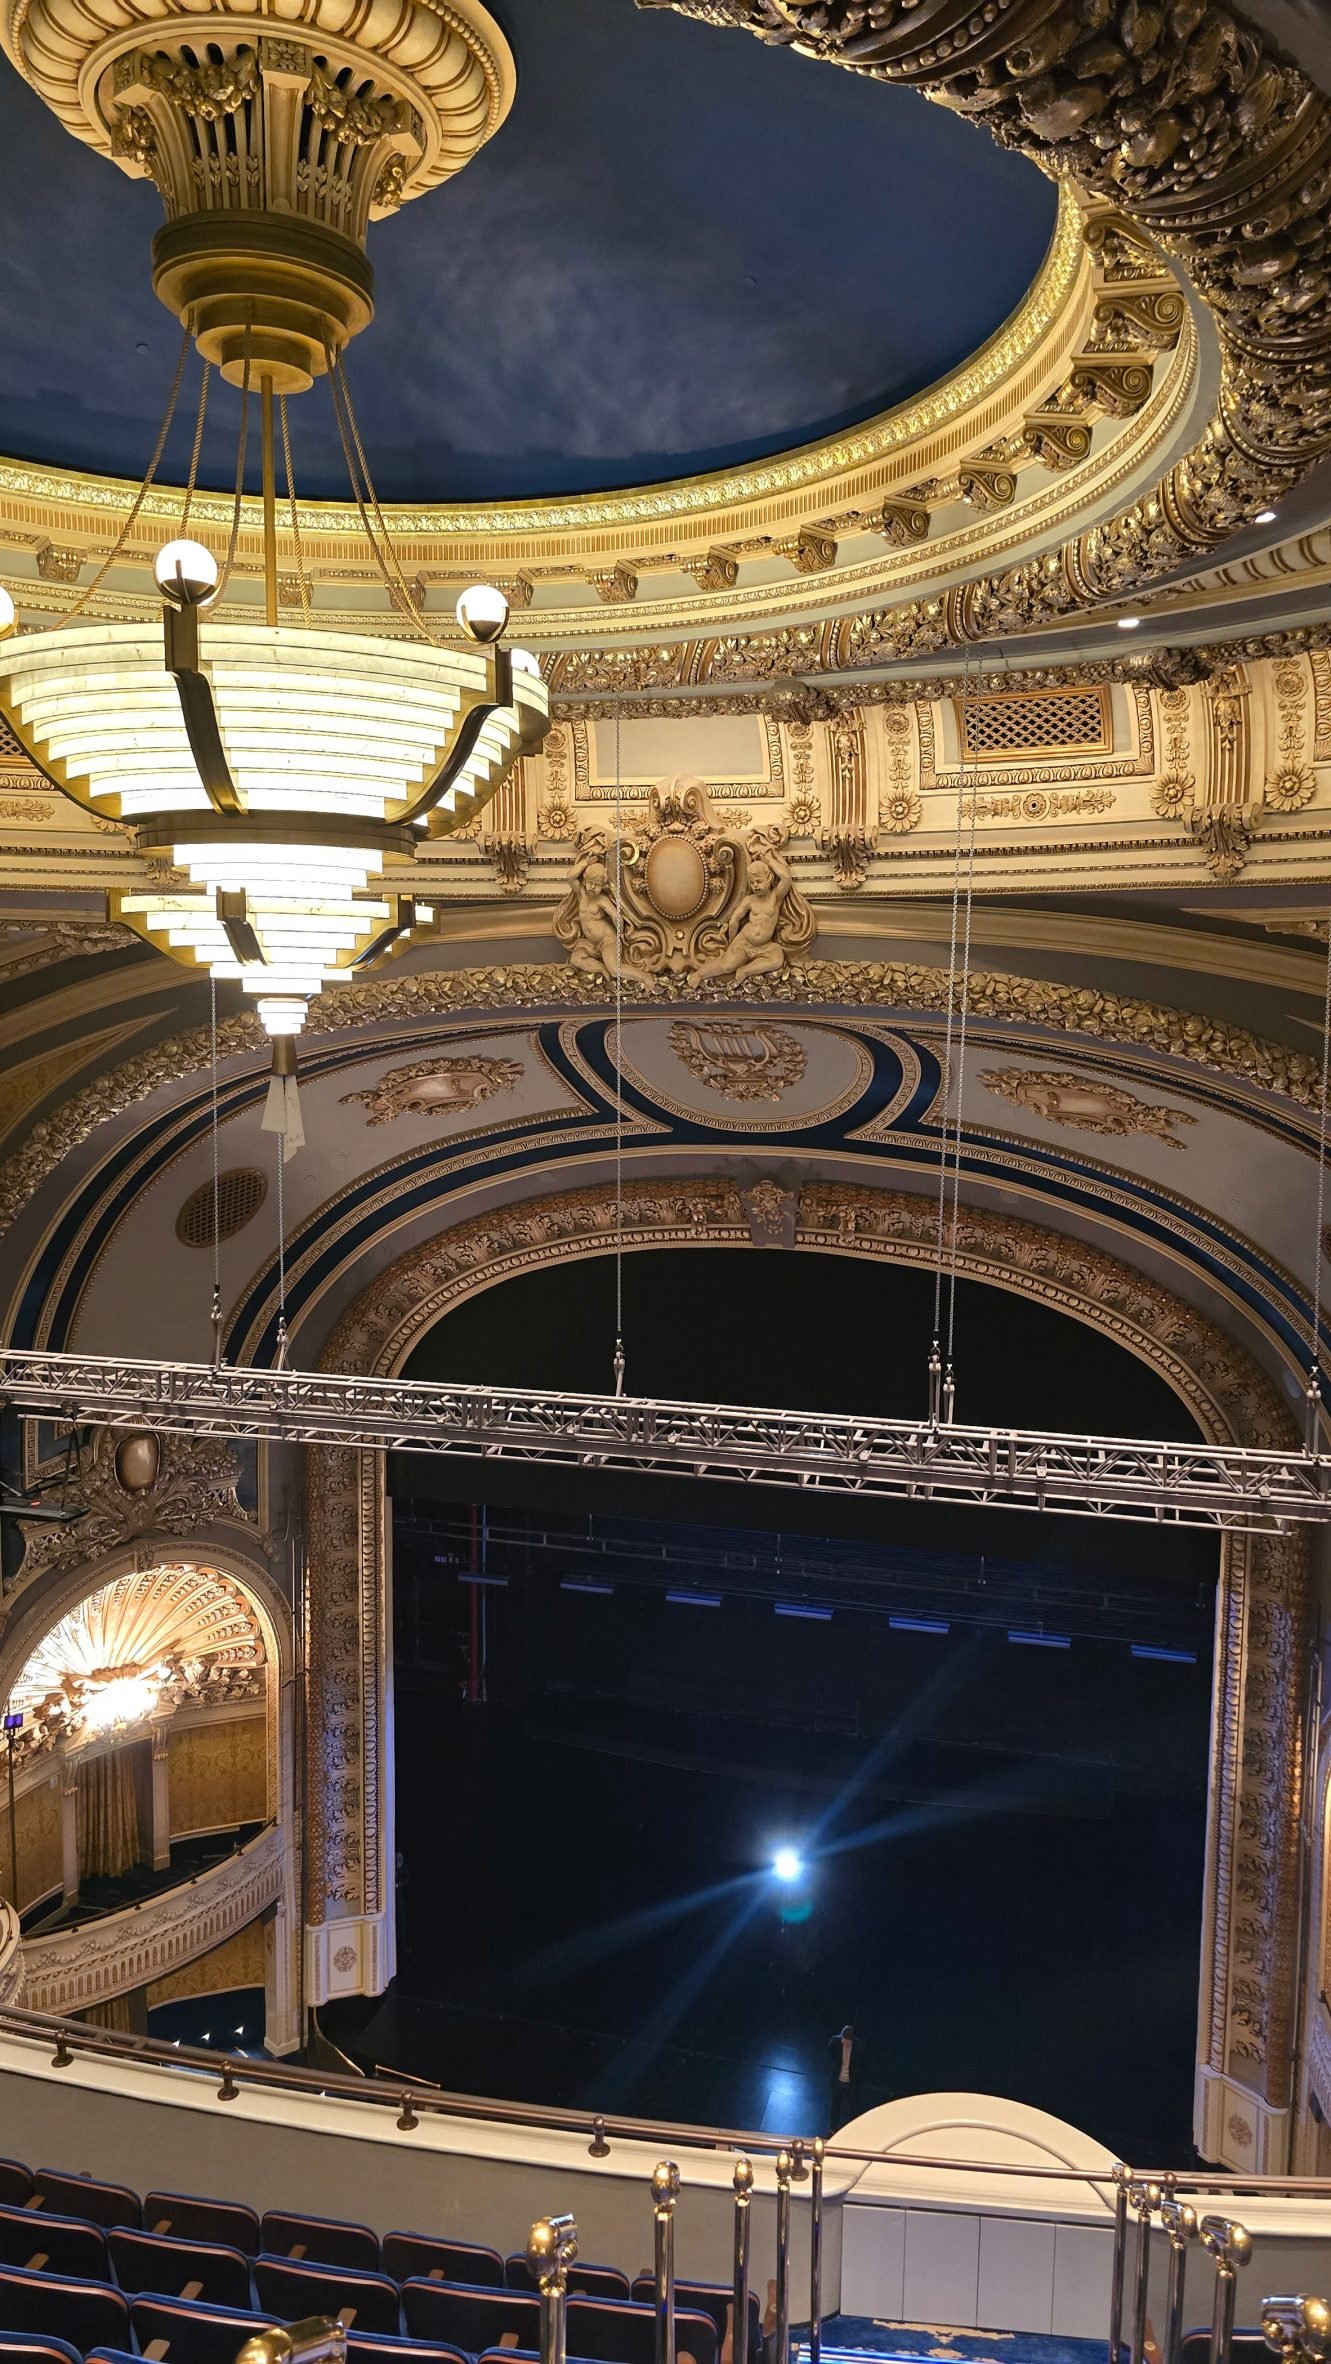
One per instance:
[(1035, 722), (240, 1194)]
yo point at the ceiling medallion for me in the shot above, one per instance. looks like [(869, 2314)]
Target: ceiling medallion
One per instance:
[(281, 778)]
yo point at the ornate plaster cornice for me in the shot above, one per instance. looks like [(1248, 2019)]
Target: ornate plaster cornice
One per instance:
[(101, 1959), (817, 984)]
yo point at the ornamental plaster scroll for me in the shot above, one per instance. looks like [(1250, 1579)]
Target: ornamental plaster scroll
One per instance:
[(1208, 1041), (102, 1959), (1208, 145), (11, 1957), (1264, 1624), (192, 1483)]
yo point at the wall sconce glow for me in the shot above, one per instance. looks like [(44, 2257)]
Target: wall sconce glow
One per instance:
[(1128, 623), (786, 1866), (1265, 517), (127, 1699)]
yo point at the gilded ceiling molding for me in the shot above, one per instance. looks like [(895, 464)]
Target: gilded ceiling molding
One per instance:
[(1265, 1619), (811, 985)]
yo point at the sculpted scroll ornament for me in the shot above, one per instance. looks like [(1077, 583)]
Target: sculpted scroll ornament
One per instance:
[(680, 895), (429, 1086), (1091, 1106), (193, 1481)]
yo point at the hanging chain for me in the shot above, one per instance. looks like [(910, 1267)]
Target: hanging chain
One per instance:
[(949, 1378), (295, 513), (936, 1346), (197, 447), (141, 495), (1314, 1389), (619, 1065), (217, 1183), (242, 453)]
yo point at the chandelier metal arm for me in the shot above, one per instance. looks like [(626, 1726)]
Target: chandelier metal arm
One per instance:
[(197, 710), (1212, 1486)]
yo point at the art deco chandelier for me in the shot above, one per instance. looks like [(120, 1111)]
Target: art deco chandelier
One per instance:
[(282, 779)]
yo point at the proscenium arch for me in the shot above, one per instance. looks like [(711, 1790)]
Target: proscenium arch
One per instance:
[(1263, 1629)]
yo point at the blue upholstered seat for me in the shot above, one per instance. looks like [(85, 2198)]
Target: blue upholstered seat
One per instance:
[(187, 2217), (30, 2347), (62, 2307), (410, 2254), (469, 2318), (705, 2298), (193, 2333), (589, 2281), (191, 2269), (622, 2331), (15, 2183), (319, 2240), (378, 2348), (290, 2287), (53, 2244), (84, 2196)]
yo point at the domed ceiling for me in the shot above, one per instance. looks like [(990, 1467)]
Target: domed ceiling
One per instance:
[(677, 253)]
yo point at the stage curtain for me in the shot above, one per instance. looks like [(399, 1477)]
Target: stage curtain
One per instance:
[(117, 2015), (108, 1816)]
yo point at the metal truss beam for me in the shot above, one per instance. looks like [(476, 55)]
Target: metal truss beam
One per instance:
[(818, 1452)]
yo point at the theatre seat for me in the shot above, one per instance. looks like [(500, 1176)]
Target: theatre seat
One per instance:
[(81, 2195), (321, 2240), (590, 2281), (291, 2288), (28, 2347), (469, 2318), (185, 2269), (61, 2307), (706, 2298), (377, 2348), (185, 2217), (621, 2331), (187, 2333), (407, 2255), (53, 2244), (15, 2183)]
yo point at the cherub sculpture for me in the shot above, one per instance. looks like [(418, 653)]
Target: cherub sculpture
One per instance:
[(753, 947), (596, 924)]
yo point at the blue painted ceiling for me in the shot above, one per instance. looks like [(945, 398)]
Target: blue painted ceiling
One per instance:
[(681, 250)]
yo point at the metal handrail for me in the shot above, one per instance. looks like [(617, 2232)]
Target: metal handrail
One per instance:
[(72, 2036)]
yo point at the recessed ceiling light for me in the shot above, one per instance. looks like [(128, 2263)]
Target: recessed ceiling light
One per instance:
[(1128, 623), (1265, 517)]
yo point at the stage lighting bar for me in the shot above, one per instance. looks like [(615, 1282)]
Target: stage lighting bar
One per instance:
[(695, 1600), (802, 1609), (1168, 1657), (1040, 1641), (1217, 1486), (584, 1584), (918, 1624)]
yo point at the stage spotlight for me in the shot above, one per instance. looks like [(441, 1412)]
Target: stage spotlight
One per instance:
[(786, 1866)]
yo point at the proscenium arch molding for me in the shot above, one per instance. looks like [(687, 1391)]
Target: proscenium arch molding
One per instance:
[(1248, 2005)]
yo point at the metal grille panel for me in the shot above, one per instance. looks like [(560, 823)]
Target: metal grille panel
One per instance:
[(1045, 722), (241, 1192)]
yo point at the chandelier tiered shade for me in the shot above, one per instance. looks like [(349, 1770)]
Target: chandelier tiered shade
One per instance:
[(341, 754)]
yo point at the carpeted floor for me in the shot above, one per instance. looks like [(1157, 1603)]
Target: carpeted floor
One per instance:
[(852, 2337)]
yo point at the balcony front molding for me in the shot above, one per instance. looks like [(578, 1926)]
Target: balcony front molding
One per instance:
[(101, 1959)]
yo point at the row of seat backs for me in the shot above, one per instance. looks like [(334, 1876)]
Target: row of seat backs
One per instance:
[(604, 2331)]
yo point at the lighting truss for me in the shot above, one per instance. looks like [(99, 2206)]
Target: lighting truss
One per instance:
[(819, 1452)]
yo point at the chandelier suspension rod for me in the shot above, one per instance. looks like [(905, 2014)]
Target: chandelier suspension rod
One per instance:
[(269, 498), (1251, 1491)]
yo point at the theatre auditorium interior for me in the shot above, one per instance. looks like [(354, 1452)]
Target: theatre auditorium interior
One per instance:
[(665, 1181)]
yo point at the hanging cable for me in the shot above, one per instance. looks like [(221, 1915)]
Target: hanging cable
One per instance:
[(242, 453), (936, 1344), (619, 1065), (301, 579), (363, 492), (196, 448), (1312, 1435), (949, 1374), (281, 1262), (141, 495), (217, 1183)]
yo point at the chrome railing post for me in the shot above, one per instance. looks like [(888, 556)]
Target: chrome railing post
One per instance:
[(1145, 2198), (552, 2245), (816, 2253), (739, 2301), (1122, 2178), (1299, 2329), (1230, 2244), (785, 2170), (1180, 2223), (665, 2192)]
